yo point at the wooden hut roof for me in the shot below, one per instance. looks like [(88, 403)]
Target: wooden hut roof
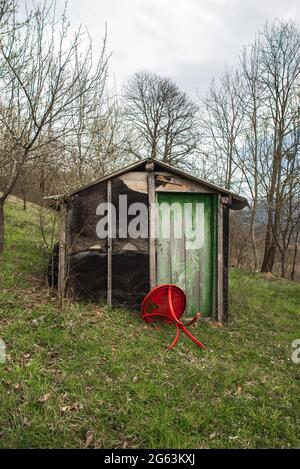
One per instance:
[(238, 202)]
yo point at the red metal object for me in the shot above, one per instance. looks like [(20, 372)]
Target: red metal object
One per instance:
[(168, 303)]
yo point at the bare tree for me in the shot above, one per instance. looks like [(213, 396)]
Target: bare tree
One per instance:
[(253, 145), (288, 199), (86, 109), (296, 242), (97, 146), (7, 11), (110, 140), (250, 122), (221, 123), (280, 72), (44, 73), (163, 119)]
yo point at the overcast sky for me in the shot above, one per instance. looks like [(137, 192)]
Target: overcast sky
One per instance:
[(190, 41)]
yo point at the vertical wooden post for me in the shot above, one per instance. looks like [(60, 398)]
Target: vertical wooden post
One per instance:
[(62, 260), (220, 261), (109, 247), (226, 253), (151, 230)]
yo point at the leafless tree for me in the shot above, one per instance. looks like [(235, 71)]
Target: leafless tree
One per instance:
[(296, 242), (45, 72), (288, 199), (280, 72), (86, 109), (100, 139), (250, 122), (110, 140), (221, 122), (253, 145), (163, 119)]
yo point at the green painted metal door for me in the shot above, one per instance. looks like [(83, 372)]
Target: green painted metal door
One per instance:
[(186, 247)]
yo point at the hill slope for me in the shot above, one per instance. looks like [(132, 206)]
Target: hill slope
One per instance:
[(89, 368)]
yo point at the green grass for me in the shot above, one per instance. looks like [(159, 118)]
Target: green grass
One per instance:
[(89, 368)]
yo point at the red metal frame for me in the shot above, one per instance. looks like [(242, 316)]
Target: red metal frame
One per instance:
[(169, 309)]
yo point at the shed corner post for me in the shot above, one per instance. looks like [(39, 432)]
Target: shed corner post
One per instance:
[(220, 260), (62, 259), (227, 201), (152, 230), (109, 245)]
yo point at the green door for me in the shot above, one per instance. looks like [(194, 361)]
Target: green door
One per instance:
[(186, 247)]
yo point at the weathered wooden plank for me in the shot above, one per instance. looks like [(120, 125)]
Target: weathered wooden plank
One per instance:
[(135, 176), (166, 182), (109, 247), (164, 271), (226, 248), (187, 263), (177, 247), (196, 210), (62, 262), (208, 257), (214, 271), (136, 181), (152, 229), (220, 284), (194, 254)]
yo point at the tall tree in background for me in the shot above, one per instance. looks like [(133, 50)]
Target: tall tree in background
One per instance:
[(163, 119), (280, 73), (221, 124), (250, 122), (96, 146), (253, 144), (45, 75)]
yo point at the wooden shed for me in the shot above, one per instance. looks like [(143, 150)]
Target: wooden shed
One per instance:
[(122, 267)]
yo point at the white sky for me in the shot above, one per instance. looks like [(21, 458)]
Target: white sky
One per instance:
[(190, 41)]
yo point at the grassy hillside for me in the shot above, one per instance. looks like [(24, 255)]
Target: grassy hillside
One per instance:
[(93, 376)]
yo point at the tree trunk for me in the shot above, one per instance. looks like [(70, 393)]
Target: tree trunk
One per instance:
[(267, 264), (11, 184), (1, 225), (271, 236), (23, 197), (253, 240), (273, 211), (283, 264), (294, 258), (269, 257)]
